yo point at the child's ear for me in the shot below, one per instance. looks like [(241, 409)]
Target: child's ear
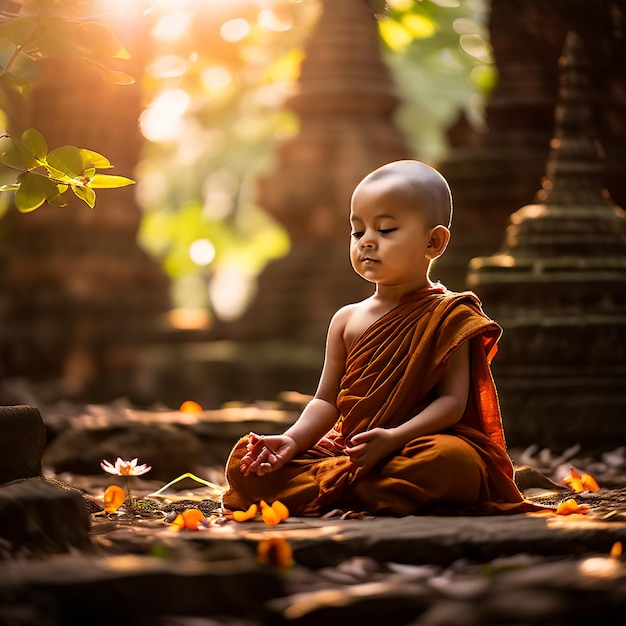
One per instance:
[(438, 242)]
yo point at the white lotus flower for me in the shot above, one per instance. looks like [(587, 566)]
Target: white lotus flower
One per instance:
[(125, 468)]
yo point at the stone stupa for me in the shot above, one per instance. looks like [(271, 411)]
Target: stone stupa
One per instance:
[(558, 288)]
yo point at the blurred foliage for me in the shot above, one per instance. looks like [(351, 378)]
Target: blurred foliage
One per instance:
[(440, 57), (31, 30), (217, 112), (219, 81), (216, 89)]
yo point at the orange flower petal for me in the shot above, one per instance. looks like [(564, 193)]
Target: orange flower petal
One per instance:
[(574, 483), (270, 517), (589, 483), (574, 472), (189, 406), (570, 506), (244, 516), (114, 497), (276, 551), (280, 509), (192, 517)]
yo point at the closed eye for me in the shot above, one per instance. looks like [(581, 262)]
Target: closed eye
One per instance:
[(356, 235), (386, 231)]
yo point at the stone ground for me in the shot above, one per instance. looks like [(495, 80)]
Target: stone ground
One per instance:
[(466, 571)]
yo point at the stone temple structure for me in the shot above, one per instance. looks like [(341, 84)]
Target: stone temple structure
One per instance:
[(558, 287), (345, 104), (497, 169)]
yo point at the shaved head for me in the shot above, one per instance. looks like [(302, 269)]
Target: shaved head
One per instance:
[(416, 185)]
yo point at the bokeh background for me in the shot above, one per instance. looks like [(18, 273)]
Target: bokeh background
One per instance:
[(246, 127)]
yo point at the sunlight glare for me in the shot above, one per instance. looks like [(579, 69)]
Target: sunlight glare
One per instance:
[(465, 26), (219, 190), (172, 26), (400, 5), (202, 252), (475, 46), (275, 21), (188, 319), (229, 292), (235, 29), (255, 55), (162, 120), (169, 66), (216, 77)]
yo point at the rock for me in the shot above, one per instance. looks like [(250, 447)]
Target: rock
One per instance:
[(37, 517), (134, 590), (169, 449), (22, 442), (527, 477)]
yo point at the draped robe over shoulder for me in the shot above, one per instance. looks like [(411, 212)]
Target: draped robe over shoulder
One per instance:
[(392, 371)]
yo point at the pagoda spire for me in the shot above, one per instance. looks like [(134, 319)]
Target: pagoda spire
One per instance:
[(558, 287)]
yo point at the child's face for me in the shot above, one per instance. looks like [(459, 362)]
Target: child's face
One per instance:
[(390, 239)]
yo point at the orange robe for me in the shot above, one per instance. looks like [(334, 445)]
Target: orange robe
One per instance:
[(392, 371)]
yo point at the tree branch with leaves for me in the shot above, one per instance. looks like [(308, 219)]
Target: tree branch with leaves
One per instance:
[(30, 31)]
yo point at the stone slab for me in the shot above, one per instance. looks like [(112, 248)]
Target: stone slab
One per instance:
[(439, 540), (132, 589)]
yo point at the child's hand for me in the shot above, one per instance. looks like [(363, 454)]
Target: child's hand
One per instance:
[(267, 454), (369, 447)]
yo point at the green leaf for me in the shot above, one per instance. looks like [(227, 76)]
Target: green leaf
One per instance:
[(17, 156), (35, 143), (34, 191), (55, 39), (57, 200), (88, 196), (394, 34), (100, 40), (19, 30), (55, 7), (420, 26), (94, 159), (105, 181), (118, 78), (67, 159)]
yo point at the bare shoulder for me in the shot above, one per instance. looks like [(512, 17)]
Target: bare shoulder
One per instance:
[(344, 314), (355, 318)]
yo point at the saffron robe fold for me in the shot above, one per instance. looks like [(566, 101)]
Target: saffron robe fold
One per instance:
[(392, 371)]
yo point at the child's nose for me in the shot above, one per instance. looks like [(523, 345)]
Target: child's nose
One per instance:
[(367, 241)]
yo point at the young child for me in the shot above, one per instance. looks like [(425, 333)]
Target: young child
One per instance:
[(406, 418)]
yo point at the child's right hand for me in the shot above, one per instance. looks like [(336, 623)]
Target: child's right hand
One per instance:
[(267, 454)]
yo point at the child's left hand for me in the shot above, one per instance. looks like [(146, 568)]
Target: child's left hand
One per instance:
[(369, 447)]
